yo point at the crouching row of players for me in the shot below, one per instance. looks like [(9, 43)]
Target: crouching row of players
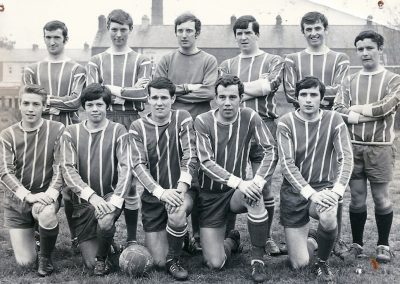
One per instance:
[(39, 157)]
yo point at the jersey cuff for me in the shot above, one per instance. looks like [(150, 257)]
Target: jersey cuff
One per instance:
[(367, 110), (158, 191), (86, 193), (259, 181), (233, 181), (307, 191), (53, 193), (186, 178), (117, 201), (353, 117), (339, 189), (265, 86), (22, 192)]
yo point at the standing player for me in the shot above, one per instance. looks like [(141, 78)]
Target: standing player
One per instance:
[(164, 160), (307, 138), (95, 164), (261, 74), (330, 67), (31, 175), (63, 80), (223, 143), (126, 73), (194, 72), (368, 101)]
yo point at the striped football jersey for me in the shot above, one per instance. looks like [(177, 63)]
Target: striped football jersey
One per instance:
[(63, 82), (223, 149), (29, 160), (162, 155), (310, 152), (96, 161)]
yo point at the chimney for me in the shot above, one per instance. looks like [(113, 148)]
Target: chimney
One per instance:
[(145, 23), (278, 21), (369, 20), (102, 23), (233, 20), (157, 12), (35, 47)]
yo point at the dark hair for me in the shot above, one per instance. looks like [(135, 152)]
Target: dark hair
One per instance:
[(54, 25), (310, 82), (96, 91), (228, 80), (374, 36), (33, 89), (313, 17), (188, 17), (243, 22), (162, 83), (121, 17)]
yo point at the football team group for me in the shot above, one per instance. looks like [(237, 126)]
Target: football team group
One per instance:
[(191, 159)]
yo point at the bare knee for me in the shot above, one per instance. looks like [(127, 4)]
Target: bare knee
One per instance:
[(26, 258), (47, 217), (177, 219), (215, 262), (106, 223), (299, 263), (89, 262), (328, 219)]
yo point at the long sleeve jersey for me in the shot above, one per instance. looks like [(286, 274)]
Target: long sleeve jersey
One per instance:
[(163, 155), (96, 161), (223, 149), (379, 93), (266, 68), (29, 159), (123, 70), (181, 69), (309, 151), (63, 82), (329, 66)]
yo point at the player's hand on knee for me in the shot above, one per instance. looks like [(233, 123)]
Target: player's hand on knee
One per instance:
[(37, 208), (100, 205), (173, 197), (320, 198), (252, 203), (142, 82), (40, 197), (171, 209), (250, 189)]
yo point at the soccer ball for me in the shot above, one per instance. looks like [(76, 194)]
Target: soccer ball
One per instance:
[(135, 260)]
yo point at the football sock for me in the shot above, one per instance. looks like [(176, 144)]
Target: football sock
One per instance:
[(230, 224), (357, 222), (68, 208), (131, 220), (48, 240), (104, 239), (326, 240), (270, 207), (257, 226), (175, 237), (194, 216), (339, 218), (384, 224)]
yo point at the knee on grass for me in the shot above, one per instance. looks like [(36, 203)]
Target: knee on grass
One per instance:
[(216, 263), (26, 260), (299, 263)]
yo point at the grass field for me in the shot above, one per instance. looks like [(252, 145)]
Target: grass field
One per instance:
[(69, 268)]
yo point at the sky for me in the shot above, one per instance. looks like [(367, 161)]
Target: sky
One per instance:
[(22, 20)]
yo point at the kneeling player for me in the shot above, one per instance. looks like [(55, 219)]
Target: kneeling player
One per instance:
[(163, 159), (224, 137), (95, 163), (31, 175), (308, 139)]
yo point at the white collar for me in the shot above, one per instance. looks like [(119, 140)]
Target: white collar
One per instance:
[(111, 51), (322, 52), (259, 52), (380, 70)]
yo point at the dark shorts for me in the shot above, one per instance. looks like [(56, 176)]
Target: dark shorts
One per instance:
[(17, 213), (294, 208), (256, 151), (123, 117), (214, 208), (154, 215), (84, 220), (373, 162)]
